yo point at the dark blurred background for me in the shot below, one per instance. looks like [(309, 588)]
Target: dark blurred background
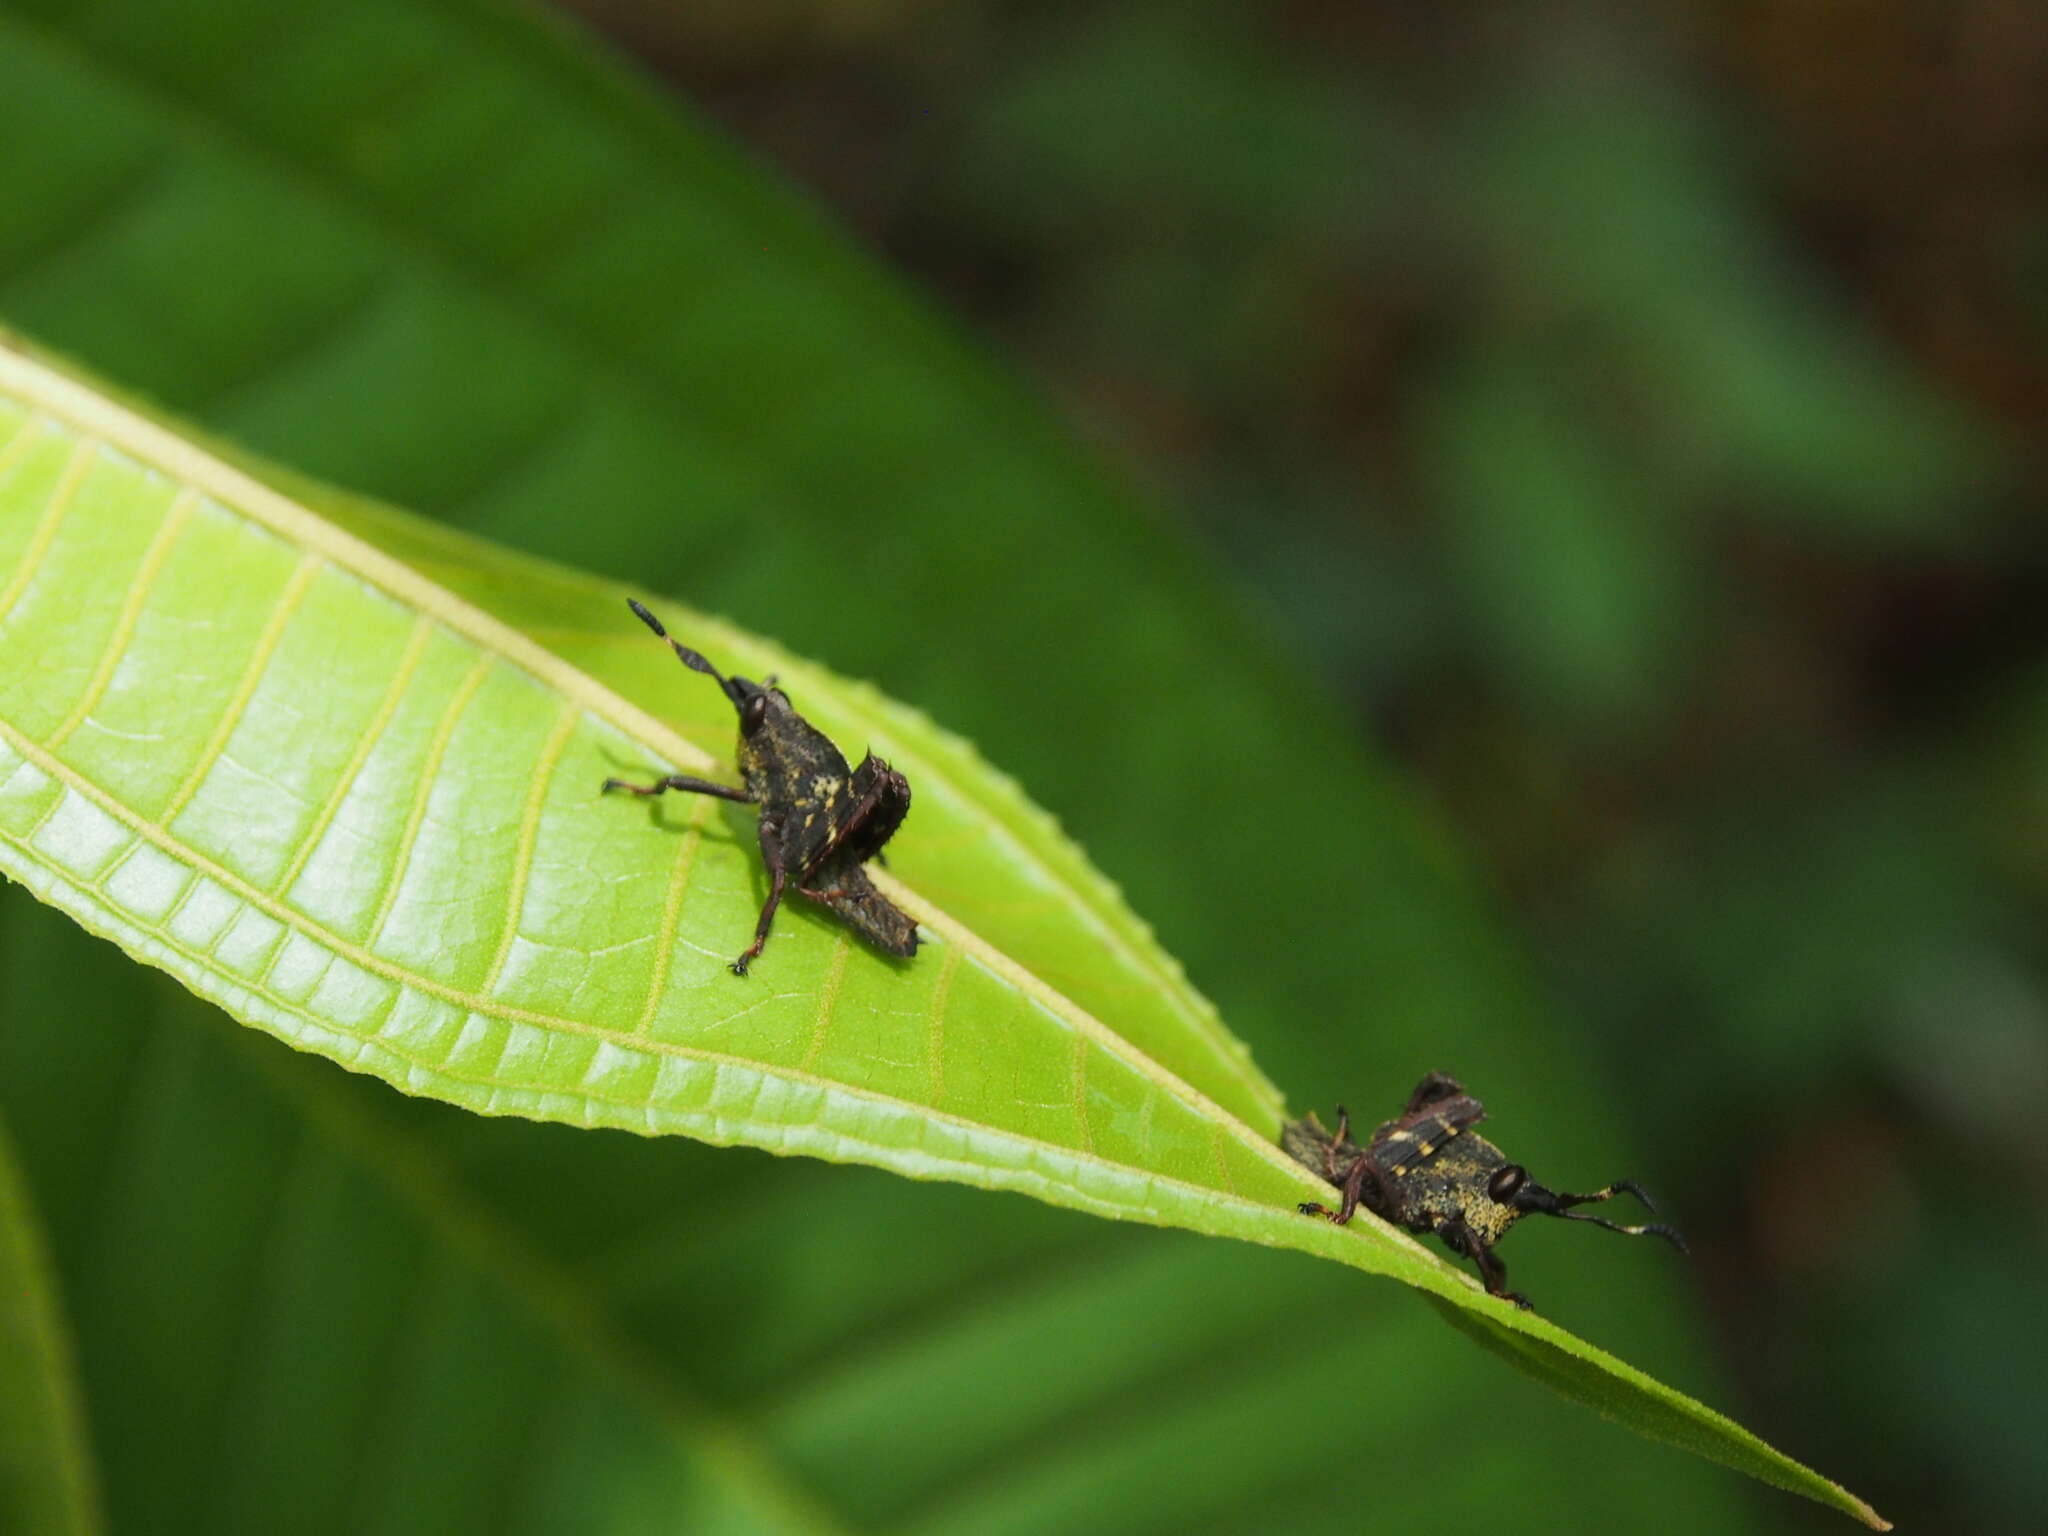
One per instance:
[(1634, 415), (1628, 414)]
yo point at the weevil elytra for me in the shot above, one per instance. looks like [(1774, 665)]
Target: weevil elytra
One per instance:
[(1428, 1171), (820, 821)]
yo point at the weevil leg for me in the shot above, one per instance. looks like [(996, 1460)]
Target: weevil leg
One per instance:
[(1354, 1188), (778, 877), (1493, 1270), (681, 781), (1335, 1144)]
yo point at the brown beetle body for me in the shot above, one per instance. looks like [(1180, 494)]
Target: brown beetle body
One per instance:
[(1429, 1171), (820, 820)]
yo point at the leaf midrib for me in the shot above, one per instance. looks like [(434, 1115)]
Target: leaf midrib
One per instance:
[(1191, 1008), (638, 380), (99, 419), (67, 776)]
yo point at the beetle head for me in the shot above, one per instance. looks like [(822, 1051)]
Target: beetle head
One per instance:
[(756, 703)]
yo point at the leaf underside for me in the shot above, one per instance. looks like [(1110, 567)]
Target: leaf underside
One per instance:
[(360, 813)]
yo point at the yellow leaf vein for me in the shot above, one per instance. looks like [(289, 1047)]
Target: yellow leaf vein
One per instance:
[(828, 998), (46, 526), (689, 842), (529, 838), (408, 668), (486, 1007), (430, 772), (131, 612), (259, 661)]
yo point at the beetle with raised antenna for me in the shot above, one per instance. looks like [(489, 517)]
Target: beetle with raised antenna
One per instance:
[(821, 821)]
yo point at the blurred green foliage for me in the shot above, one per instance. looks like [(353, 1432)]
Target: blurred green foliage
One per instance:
[(46, 1481), (443, 254), (1630, 416), (1636, 413)]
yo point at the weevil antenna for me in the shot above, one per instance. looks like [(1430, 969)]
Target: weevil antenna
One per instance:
[(1651, 1229), (1618, 1187), (689, 658), (1630, 1186), (1528, 1195)]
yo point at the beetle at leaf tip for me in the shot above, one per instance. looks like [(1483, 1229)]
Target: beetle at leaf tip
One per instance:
[(1428, 1171), (821, 821)]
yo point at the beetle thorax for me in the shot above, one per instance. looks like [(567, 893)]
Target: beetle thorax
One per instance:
[(1452, 1183)]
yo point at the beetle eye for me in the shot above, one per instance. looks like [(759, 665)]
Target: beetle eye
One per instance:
[(1504, 1184), (753, 713)]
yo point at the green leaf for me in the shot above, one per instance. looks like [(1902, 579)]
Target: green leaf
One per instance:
[(383, 1312), (322, 1225), (46, 1479), (359, 813), (528, 293)]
